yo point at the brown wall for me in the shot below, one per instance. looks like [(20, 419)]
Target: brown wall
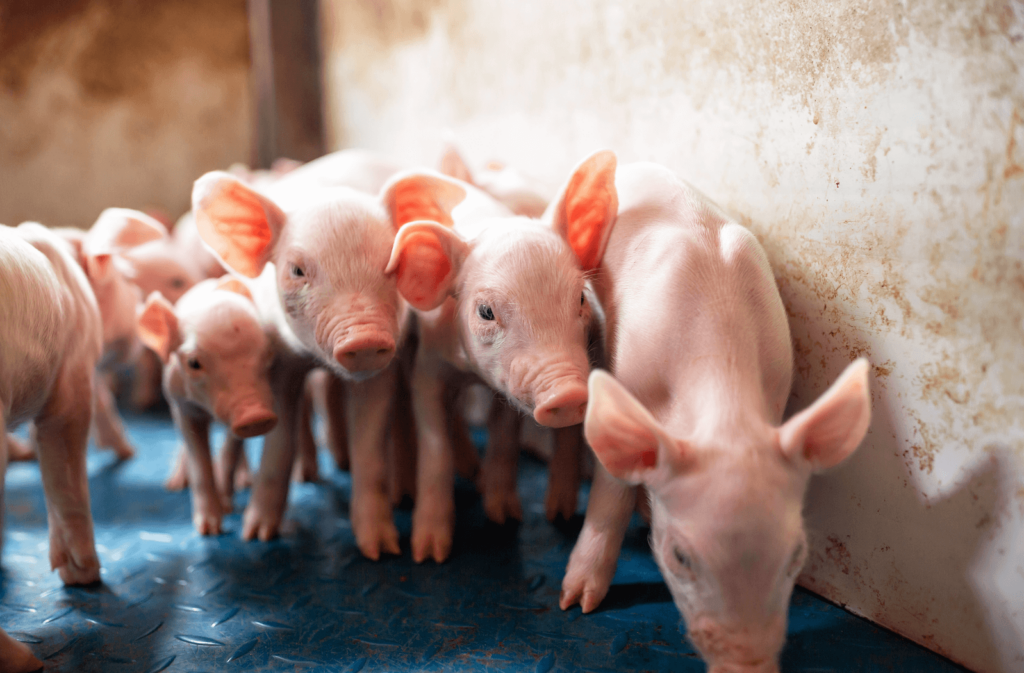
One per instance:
[(118, 103)]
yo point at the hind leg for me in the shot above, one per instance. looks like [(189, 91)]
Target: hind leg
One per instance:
[(63, 432)]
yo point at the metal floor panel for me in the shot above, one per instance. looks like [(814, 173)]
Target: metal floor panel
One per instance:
[(171, 600)]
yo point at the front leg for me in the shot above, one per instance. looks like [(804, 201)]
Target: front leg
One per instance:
[(269, 497), (500, 471), (306, 468), (564, 473), (225, 470), (206, 506), (368, 406), (593, 559), (62, 433), (107, 422), (433, 517)]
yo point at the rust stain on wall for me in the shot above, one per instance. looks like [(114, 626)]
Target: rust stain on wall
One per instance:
[(117, 103)]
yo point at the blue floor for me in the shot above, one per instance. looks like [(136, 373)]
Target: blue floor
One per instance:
[(171, 600)]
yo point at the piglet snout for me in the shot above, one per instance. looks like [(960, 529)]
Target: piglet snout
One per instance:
[(562, 406), (366, 352), (253, 422)]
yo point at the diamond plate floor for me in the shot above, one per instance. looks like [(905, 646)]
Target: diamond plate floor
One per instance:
[(171, 600)]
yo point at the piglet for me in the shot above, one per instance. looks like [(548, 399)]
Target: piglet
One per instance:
[(699, 347), (518, 192), (50, 342), (216, 360), (501, 298), (316, 249)]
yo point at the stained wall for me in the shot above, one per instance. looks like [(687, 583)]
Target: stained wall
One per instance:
[(118, 103), (875, 149)]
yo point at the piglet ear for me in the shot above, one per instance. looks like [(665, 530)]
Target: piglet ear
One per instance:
[(426, 259), (422, 195), (454, 165), (239, 224), (98, 268), (158, 326), (119, 229), (586, 209), (620, 430), (828, 431), (229, 284)]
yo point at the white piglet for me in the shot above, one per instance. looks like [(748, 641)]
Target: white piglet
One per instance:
[(699, 346), (50, 342)]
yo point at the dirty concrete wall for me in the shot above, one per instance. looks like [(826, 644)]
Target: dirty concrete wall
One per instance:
[(874, 147), (118, 103)]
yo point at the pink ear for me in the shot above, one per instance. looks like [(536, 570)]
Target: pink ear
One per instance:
[(587, 207), (454, 165), (828, 431), (158, 326), (99, 267), (427, 257), (118, 229), (239, 224), (622, 433), (410, 197), (229, 284)]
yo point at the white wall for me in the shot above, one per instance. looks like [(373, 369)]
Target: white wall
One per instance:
[(874, 147)]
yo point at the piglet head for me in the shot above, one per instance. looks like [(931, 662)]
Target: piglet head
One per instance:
[(160, 266), (521, 303), (329, 262), (215, 354), (117, 231), (726, 524)]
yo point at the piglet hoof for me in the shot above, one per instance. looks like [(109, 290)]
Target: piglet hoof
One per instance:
[(259, 524), (431, 536), (243, 476), (560, 501), (18, 450), (306, 471), (123, 450), (502, 505), (376, 540), (179, 473), (15, 657), (589, 573), (75, 566), (207, 519)]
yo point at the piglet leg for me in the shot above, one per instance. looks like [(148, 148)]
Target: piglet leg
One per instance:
[(206, 505), (368, 404), (564, 473), (178, 479), (593, 559), (306, 468), (500, 470), (269, 498), (62, 431), (401, 444), (334, 418), (433, 517), (109, 430), (467, 460), (15, 657), (225, 470)]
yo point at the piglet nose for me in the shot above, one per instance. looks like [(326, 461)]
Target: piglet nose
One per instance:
[(365, 353), (562, 406), (253, 422)]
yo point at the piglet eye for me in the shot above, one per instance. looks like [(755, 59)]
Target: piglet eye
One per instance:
[(485, 312), (193, 363), (583, 299), (682, 558), (297, 271), (178, 283)]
